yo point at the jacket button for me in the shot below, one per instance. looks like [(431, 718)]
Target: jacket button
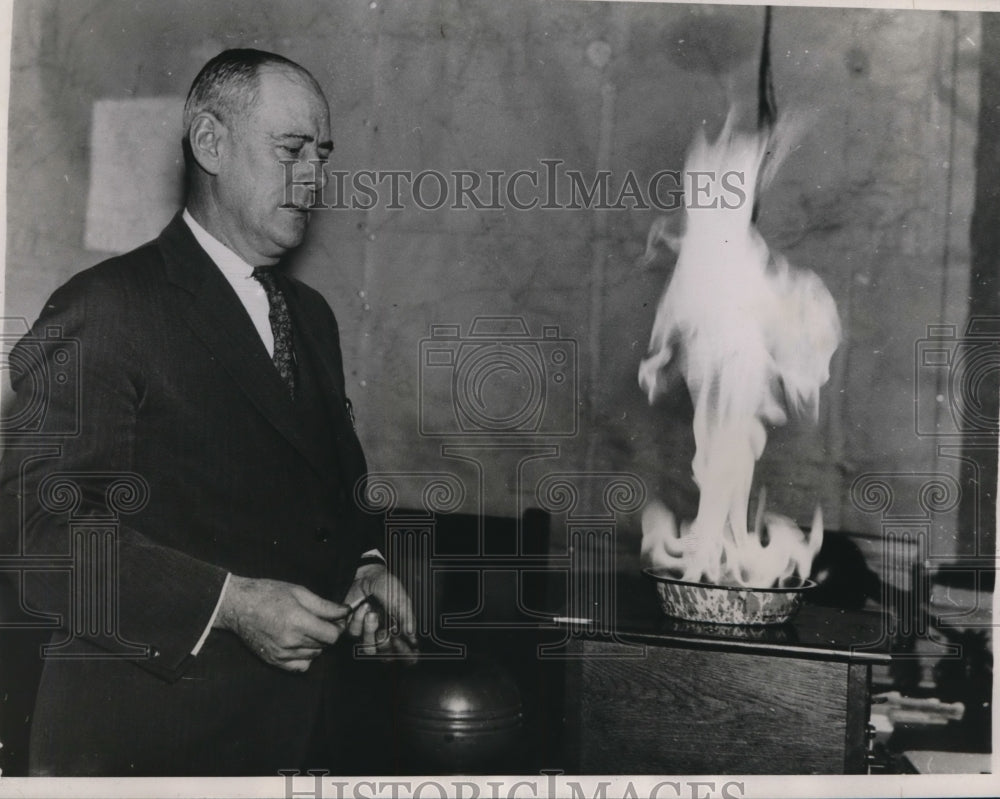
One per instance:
[(322, 534)]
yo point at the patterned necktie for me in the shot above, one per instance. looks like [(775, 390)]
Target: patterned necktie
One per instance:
[(281, 326)]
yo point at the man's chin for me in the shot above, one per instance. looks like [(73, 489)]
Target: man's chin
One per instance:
[(293, 231)]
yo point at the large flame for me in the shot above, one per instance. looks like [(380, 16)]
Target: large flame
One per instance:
[(751, 334)]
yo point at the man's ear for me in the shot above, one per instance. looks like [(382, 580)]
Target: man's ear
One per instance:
[(206, 137)]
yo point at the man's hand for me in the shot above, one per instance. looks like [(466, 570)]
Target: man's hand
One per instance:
[(285, 625), (385, 622)]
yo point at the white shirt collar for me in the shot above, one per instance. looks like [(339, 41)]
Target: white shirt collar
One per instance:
[(228, 261), (238, 274)]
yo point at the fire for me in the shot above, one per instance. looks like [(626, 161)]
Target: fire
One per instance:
[(751, 334)]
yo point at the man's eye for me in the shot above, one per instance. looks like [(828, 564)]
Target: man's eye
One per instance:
[(293, 151)]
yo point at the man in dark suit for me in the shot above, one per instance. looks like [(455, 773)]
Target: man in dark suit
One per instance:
[(213, 383)]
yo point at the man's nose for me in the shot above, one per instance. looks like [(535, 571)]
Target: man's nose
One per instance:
[(308, 180), (310, 173)]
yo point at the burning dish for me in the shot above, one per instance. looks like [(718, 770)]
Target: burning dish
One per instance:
[(726, 604), (752, 336)]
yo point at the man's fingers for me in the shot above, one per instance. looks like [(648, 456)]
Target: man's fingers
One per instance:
[(407, 622), (315, 622), (285, 625), (300, 653), (324, 608), (401, 646), (403, 649), (369, 633), (356, 626), (395, 600), (402, 621), (318, 630)]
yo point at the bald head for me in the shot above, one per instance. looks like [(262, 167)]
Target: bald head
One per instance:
[(228, 86), (257, 137)]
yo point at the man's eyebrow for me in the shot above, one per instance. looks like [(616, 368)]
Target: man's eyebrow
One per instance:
[(305, 137)]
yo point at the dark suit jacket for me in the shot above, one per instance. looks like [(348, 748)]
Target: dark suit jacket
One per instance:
[(177, 388)]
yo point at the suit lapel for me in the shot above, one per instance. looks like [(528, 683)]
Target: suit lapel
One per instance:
[(327, 372), (216, 315)]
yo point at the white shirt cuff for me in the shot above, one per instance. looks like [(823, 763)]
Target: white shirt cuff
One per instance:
[(211, 621)]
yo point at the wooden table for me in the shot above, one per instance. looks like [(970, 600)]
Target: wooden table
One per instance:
[(659, 696), (663, 696)]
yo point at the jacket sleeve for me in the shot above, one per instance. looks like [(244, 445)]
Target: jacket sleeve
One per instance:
[(68, 465)]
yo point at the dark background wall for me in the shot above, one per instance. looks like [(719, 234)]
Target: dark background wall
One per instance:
[(877, 200)]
